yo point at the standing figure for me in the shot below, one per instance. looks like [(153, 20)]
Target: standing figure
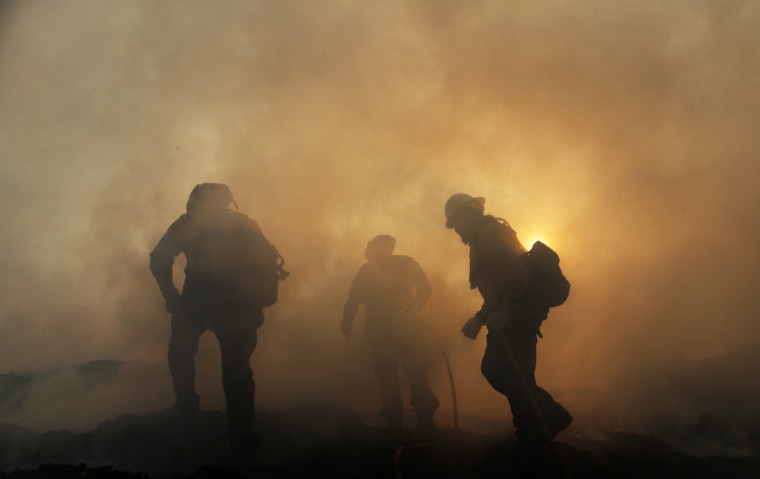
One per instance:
[(394, 289), (512, 313), (228, 281)]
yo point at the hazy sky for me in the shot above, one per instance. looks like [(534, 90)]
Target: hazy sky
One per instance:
[(621, 133)]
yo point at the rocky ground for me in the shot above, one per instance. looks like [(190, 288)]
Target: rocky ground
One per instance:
[(701, 421), (323, 439)]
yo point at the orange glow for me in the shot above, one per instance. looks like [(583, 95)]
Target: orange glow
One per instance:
[(622, 137)]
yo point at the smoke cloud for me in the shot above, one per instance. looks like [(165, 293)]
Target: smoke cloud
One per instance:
[(622, 134)]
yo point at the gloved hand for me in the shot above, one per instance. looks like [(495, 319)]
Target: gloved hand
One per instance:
[(498, 320), (472, 327), (173, 303)]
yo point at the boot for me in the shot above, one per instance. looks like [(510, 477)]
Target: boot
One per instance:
[(244, 449), (394, 420), (560, 421)]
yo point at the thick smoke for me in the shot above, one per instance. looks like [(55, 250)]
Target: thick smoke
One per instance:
[(620, 133)]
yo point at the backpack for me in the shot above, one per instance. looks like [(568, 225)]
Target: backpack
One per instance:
[(548, 283), (233, 246), (265, 274), (271, 276)]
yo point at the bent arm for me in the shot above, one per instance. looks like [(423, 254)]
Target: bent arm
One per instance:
[(162, 259), (356, 296), (422, 290)]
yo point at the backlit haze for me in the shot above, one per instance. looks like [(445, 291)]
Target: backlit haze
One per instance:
[(623, 134)]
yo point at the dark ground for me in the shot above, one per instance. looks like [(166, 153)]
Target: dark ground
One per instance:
[(708, 409), (322, 439)]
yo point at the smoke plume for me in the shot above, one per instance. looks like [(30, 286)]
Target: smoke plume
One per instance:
[(622, 134)]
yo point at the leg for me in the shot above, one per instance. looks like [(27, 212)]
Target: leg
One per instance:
[(557, 418), (384, 359), (183, 346), (237, 341), (416, 364), (501, 375)]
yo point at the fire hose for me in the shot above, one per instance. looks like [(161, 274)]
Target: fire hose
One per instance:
[(402, 448)]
